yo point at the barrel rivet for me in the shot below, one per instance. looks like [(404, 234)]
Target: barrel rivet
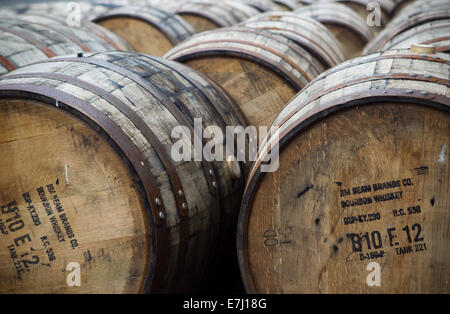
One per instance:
[(180, 193), (184, 206), (142, 163), (214, 184), (80, 55), (424, 93), (161, 215), (158, 201), (427, 76), (413, 75), (211, 172), (409, 91)]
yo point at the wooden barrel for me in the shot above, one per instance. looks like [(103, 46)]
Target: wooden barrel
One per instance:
[(263, 5), (435, 33), (360, 6), (260, 71), (207, 15), (349, 28), (89, 177), (288, 5), (147, 29), (24, 42), (306, 32), (360, 201), (405, 23), (241, 6), (117, 42)]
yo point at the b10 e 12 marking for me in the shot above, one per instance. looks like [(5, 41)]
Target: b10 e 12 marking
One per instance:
[(374, 240)]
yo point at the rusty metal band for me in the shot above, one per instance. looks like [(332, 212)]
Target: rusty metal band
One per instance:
[(408, 24), (102, 36), (373, 77), (394, 95), (315, 48), (155, 23), (71, 37), (157, 265), (205, 14), (375, 59), (153, 90), (291, 5), (241, 53), (436, 40), (41, 46), (7, 64), (174, 18)]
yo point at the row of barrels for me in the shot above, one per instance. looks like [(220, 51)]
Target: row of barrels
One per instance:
[(95, 132)]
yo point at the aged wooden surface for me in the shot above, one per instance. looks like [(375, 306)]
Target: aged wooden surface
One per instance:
[(260, 71), (206, 15), (405, 22), (24, 42), (306, 32), (436, 33), (349, 28), (98, 129), (147, 29), (363, 177)]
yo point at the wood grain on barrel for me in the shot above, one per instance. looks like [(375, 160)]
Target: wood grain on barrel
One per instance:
[(216, 14), (349, 28), (403, 24), (363, 177), (159, 226), (307, 32), (147, 29), (436, 33), (260, 71)]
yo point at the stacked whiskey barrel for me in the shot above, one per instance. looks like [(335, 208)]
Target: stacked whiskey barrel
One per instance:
[(98, 143)]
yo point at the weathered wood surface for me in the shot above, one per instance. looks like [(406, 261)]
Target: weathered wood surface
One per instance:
[(360, 6), (95, 133), (259, 70), (363, 177), (436, 33), (207, 15), (263, 5), (24, 42), (147, 29), (306, 32), (405, 22), (41, 18), (288, 5), (349, 28)]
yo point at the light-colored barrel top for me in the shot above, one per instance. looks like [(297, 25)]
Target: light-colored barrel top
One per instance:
[(41, 18), (362, 188), (307, 32), (147, 29), (435, 33), (26, 42), (259, 70), (220, 14), (404, 23), (97, 184), (349, 28)]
